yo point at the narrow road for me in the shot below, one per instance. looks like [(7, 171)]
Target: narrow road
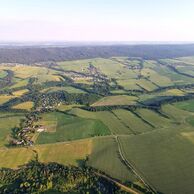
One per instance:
[(132, 168), (121, 186)]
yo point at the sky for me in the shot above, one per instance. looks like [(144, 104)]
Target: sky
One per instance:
[(96, 20)]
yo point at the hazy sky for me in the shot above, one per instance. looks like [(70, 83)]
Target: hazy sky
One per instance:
[(97, 20)]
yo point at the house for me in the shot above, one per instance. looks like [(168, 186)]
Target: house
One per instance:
[(40, 129)]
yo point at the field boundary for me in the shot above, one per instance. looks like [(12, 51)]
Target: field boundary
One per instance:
[(133, 169)]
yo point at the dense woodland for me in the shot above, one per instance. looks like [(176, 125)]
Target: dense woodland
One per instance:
[(31, 55), (38, 177)]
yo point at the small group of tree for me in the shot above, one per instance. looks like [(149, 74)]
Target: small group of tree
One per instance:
[(7, 80)]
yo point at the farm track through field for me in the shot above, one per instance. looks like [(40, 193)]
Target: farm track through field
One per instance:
[(133, 168)]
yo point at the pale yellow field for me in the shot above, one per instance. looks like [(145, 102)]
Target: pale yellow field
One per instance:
[(25, 105), (5, 98), (84, 81), (64, 153), (15, 157), (25, 71), (116, 100), (20, 92), (65, 107), (174, 92)]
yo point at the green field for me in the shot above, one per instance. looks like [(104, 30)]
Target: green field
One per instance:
[(70, 128), (175, 113), (105, 157), (136, 124), (7, 122), (146, 85), (153, 118), (186, 105), (3, 74), (20, 83)]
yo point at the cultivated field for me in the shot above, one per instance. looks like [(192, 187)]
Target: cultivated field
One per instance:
[(24, 105), (116, 100), (5, 98), (104, 156), (65, 153)]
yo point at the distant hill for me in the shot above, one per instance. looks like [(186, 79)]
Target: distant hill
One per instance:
[(37, 54)]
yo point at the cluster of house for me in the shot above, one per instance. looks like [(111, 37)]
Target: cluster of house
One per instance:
[(25, 137), (78, 76), (132, 67)]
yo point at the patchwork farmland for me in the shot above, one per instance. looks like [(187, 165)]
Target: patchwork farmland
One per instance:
[(130, 119)]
